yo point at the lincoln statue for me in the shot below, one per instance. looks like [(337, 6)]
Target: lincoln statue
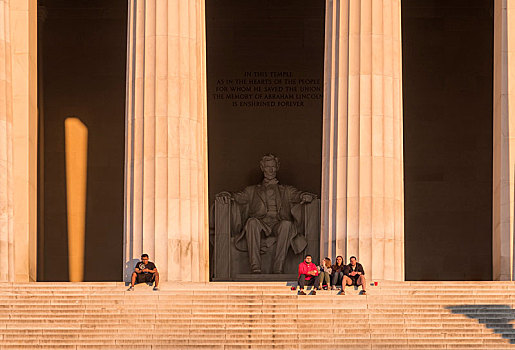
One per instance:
[(269, 213)]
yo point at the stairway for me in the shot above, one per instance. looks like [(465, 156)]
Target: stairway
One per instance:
[(394, 315)]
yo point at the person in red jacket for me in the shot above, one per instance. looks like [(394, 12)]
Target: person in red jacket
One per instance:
[(308, 275)]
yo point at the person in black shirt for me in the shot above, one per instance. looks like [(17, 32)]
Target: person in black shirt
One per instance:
[(145, 272), (353, 274), (337, 276)]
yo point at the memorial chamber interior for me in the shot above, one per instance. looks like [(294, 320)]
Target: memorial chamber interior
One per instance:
[(265, 88)]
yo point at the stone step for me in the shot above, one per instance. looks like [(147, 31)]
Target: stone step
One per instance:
[(410, 315), (236, 299), (254, 285), (281, 293), (373, 310), (305, 345), (346, 338)]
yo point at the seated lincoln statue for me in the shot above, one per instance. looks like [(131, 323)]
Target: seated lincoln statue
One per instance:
[(266, 214)]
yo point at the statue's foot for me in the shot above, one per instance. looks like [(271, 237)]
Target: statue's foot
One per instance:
[(256, 271), (278, 271)]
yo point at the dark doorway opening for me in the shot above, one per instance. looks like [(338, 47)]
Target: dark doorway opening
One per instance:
[(447, 87), (81, 75), (265, 86)]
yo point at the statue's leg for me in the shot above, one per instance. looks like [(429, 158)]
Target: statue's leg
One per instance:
[(284, 231), (253, 229)]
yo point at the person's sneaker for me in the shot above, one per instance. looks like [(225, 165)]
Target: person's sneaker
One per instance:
[(301, 292), (156, 289), (313, 292), (131, 288)]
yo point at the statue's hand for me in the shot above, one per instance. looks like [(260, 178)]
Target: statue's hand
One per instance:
[(224, 197), (306, 198)]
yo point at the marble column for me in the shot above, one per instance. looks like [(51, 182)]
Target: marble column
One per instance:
[(362, 174), (166, 139), (7, 272), (504, 141), (23, 23)]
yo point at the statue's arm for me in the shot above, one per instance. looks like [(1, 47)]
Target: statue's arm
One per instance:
[(240, 197), (298, 196)]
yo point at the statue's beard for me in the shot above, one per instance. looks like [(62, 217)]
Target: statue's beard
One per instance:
[(270, 180)]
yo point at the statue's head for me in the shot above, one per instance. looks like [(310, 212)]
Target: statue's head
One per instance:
[(269, 165)]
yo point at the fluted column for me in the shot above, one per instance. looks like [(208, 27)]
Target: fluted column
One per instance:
[(23, 18), (503, 204), (362, 174), (6, 141), (166, 165)]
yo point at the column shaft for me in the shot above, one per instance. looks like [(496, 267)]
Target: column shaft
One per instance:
[(7, 273), (503, 141), (362, 175), (166, 165), (23, 23)]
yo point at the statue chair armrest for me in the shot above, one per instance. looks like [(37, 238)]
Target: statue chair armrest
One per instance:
[(222, 223)]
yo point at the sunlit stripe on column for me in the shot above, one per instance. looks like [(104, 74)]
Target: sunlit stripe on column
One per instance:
[(76, 149)]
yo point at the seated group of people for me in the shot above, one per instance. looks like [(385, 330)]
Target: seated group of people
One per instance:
[(324, 276), (331, 276)]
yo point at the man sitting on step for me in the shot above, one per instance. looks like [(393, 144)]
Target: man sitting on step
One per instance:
[(145, 272), (308, 275), (354, 275)]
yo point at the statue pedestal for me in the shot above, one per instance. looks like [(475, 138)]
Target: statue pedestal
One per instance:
[(231, 264), (261, 277)]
